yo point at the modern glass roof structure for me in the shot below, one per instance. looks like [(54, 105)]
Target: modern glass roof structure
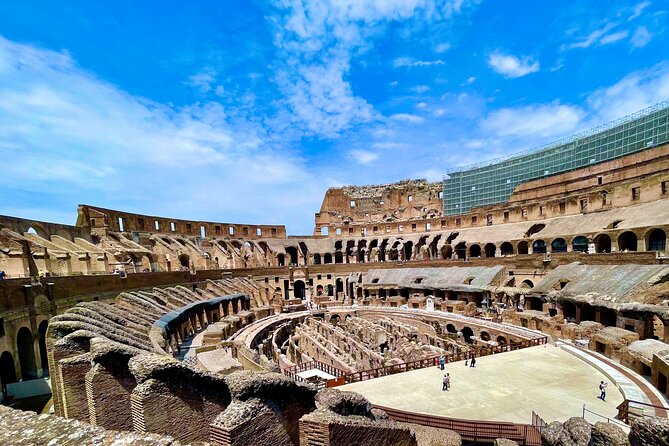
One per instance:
[(493, 182)]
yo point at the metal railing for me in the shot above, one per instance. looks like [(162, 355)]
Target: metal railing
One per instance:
[(630, 409), (471, 430), (602, 417)]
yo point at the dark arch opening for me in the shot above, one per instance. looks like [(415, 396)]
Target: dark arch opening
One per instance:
[(42, 348), (506, 249), (657, 240), (281, 260), (467, 334), (461, 250), (408, 250), (627, 241), (184, 260), (485, 336), (559, 245), (539, 247), (475, 251), (339, 257), (535, 303), (603, 243), (490, 249), (451, 328), (317, 259), (292, 254), (446, 252), (580, 244), (340, 285), (501, 340), (523, 247), (527, 283), (298, 289), (7, 370), (24, 341)]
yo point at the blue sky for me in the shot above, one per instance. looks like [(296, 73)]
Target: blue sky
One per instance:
[(248, 111)]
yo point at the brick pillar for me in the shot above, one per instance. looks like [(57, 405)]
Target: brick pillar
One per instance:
[(578, 313), (73, 385)]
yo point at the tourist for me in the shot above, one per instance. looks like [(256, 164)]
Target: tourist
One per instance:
[(2, 276), (602, 389), (473, 362), (445, 382), (442, 362)]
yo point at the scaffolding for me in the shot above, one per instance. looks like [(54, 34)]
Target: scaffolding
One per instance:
[(494, 181)]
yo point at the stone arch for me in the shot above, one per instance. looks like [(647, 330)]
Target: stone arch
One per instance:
[(7, 370), (475, 250), (293, 256), (433, 250), (501, 340), (461, 250), (527, 283), (317, 259), (26, 349), (298, 289), (327, 258), (37, 229), (559, 245), (490, 249), (580, 244), (627, 241), (408, 250), (506, 249), (485, 336), (446, 252), (656, 240), (44, 359), (338, 257), (467, 334), (539, 247), (280, 260), (451, 328), (339, 285), (523, 247), (602, 243)]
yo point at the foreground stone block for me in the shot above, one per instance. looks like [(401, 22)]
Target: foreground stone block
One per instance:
[(573, 432), (608, 434), (650, 432)]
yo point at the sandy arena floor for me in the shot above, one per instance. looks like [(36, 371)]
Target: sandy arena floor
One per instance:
[(503, 387)]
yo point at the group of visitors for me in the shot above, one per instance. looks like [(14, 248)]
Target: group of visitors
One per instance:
[(446, 379)]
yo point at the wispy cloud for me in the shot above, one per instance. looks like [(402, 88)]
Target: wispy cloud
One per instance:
[(512, 66), (420, 88), (364, 157), (203, 80), (442, 47), (412, 63), (407, 117), (641, 37), (638, 9), (536, 120)]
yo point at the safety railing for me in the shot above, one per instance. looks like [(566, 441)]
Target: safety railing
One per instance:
[(471, 430), (630, 409)]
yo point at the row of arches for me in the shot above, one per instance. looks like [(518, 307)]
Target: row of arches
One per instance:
[(27, 346)]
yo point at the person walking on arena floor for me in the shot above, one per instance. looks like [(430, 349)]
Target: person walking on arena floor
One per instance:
[(602, 389), (472, 363)]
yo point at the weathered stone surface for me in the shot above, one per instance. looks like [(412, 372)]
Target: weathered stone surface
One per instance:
[(573, 432), (344, 403), (251, 422), (650, 432), (27, 428), (504, 442), (608, 434)]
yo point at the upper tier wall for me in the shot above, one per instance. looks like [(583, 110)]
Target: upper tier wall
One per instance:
[(101, 218)]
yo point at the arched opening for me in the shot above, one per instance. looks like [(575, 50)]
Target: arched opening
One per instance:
[(451, 328), (339, 283), (506, 249), (298, 289), (339, 257), (317, 259), (569, 311), (535, 303), (408, 250), (335, 319), (485, 336), (527, 284), (602, 243), (42, 348), (467, 334), (580, 244), (433, 247), (325, 230), (446, 252), (280, 260), (319, 290), (461, 250), (292, 254), (539, 247), (501, 340), (627, 241), (490, 249), (523, 247), (658, 328), (7, 370), (559, 245), (184, 261), (656, 240), (361, 256), (327, 258), (24, 342), (330, 290), (475, 251)]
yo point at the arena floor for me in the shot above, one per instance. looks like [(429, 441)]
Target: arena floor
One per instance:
[(502, 387)]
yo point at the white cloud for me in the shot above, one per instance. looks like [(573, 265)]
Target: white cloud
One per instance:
[(641, 37), (79, 137), (512, 66), (614, 37), (421, 105), (470, 80), (393, 83), (420, 88), (388, 145), (638, 9), (442, 47), (203, 80), (363, 156), (439, 112), (406, 117), (412, 63), (548, 120)]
